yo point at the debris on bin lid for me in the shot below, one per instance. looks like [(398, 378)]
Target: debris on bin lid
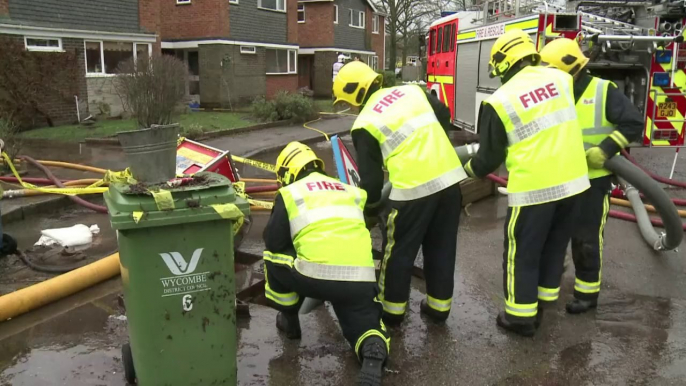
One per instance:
[(185, 181)]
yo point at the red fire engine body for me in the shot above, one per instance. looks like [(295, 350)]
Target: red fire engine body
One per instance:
[(643, 59)]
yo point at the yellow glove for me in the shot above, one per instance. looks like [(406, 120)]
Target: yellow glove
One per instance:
[(468, 169), (595, 157)]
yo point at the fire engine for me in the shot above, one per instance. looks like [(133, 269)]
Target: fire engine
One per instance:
[(637, 45)]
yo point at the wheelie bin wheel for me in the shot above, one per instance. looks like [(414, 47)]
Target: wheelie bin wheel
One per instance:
[(127, 359)]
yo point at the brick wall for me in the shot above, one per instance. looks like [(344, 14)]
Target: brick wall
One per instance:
[(292, 22), (199, 19), (149, 15), (4, 7), (317, 31), (227, 75), (377, 40), (276, 83)]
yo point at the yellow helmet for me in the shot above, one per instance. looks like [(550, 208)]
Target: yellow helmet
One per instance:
[(353, 82), (564, 54), (509, 49), (293, 159)]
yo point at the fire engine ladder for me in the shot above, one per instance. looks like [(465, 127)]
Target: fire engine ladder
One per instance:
[(600, 25)]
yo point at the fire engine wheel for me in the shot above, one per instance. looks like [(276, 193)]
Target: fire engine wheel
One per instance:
[(127, 360)]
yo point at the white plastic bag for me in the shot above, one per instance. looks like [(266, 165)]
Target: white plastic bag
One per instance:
[(68, 237)]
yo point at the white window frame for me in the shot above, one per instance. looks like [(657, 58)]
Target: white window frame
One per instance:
[(370, 61), (248, 50), (42, 49), (285, 6), (183, 2), (102, 72), (335, 14), (303, 11), (233, 1), (360, 18), (288, 62), (375, 24)]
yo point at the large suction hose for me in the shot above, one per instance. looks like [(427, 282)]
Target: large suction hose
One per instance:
[(656, 177), (657, 196), (643, 182), (38, 295)]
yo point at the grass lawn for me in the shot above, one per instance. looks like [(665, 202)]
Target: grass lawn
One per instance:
[(207, 121)]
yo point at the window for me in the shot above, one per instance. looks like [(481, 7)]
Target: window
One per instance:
[(373, 62), (446, 38), (248, 50), (301, 13), (281, 61), (105, 57), (432, 41), (356, 18), (439, 41), (273, 5), (183, 2), (375, 24), (43, 44), (233, 1), (453, 36), (335, 14)]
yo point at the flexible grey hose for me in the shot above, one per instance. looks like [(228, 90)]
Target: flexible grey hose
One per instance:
[(674, 233), (642, 219)]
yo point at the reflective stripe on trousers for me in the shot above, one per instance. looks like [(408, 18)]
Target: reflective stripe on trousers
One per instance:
[(549, 194), (548, 294), (428, 188), (307, 216), (335, 272), (394, 308), (521, 310), (278, 258), (396, 138), (586, 287), (289, 299), (439, 305)]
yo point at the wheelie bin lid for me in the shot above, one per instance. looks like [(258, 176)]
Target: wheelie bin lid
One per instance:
[(207, 197)]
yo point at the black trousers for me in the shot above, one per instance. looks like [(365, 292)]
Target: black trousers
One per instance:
[(588, 238), (536, 239), (430, 222), (355, 303)]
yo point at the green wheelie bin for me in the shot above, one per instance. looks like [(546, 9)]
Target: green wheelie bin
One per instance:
[(177, 269)]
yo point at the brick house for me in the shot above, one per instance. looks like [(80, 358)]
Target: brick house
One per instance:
[(236, 50), (327, 28), (100, 33)]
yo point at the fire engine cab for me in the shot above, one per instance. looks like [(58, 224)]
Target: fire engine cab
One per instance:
[(637, 45)]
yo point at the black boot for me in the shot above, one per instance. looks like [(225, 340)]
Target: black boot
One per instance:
[(578, 306), (373, 355), (289, 324), (523, 329), (436, 316), (392, 320)]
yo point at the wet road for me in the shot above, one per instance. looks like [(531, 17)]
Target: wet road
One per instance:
[(637, 336)]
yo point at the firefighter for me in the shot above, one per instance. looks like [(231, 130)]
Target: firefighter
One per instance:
[(530, 123), (403, 130), (609, 122), (317, 246)]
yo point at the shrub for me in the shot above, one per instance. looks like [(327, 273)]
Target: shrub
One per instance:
[(388, 78), (151, 88), (194, 131), (285, 106), (32, 82), (9, 133)]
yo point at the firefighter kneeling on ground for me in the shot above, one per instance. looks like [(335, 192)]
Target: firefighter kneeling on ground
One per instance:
[(317, 246), (609, 122), (404, 129), (530, 123)]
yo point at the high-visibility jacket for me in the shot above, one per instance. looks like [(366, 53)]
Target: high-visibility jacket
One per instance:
[(595, 127), (545, 156), (328, 229), (416, 150)]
